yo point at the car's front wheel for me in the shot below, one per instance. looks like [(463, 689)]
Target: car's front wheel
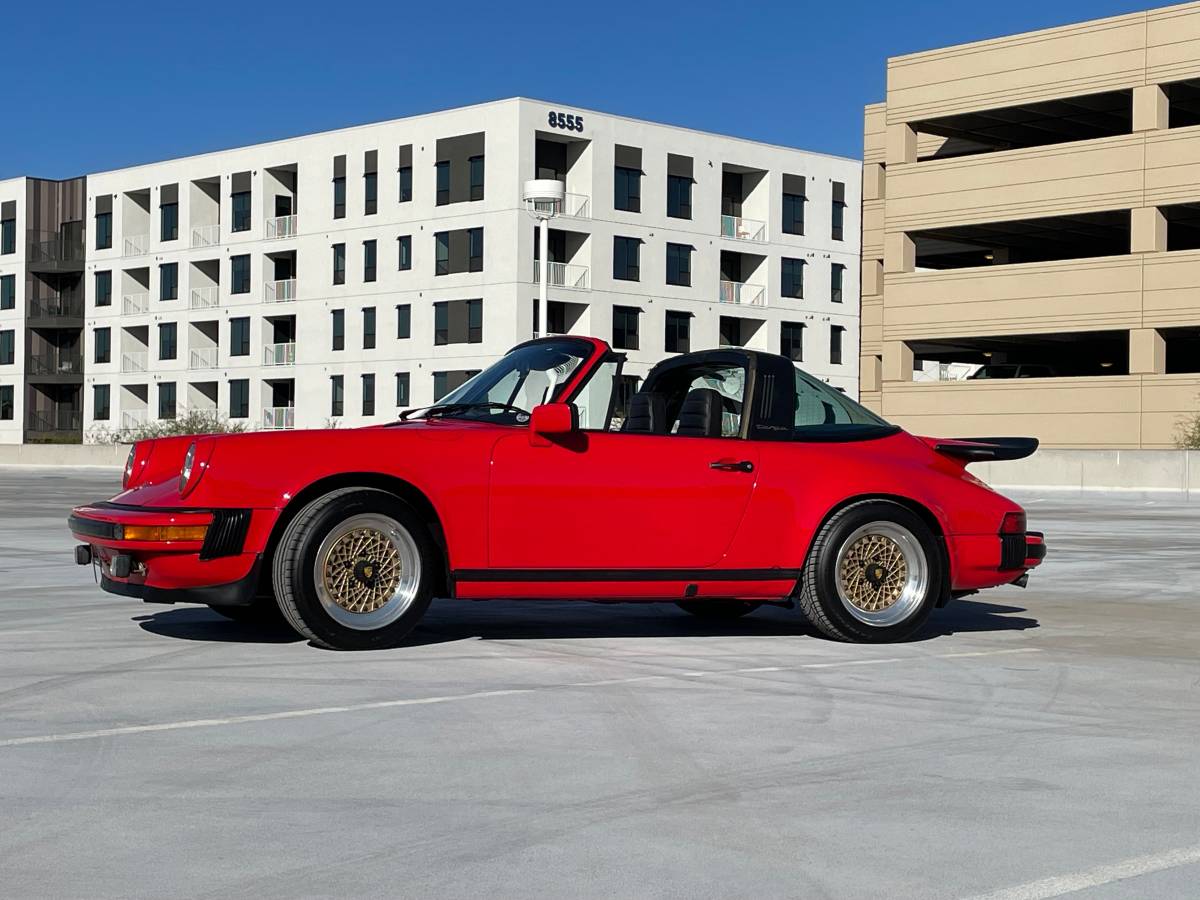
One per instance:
[(873, 574), (354, 570)]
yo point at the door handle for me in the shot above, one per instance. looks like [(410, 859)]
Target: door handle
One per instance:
[(732, 465)]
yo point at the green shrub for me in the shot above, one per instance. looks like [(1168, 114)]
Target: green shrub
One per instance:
[(194, 421), (1187, 432)]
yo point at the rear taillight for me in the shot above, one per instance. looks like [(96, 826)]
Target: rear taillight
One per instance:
[(1014, 523)]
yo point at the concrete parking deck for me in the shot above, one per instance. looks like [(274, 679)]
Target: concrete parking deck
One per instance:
[(1030, 743)]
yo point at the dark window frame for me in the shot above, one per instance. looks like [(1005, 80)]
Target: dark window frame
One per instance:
[(632, 271), (239, 282), (168, 340), (339, 263), (239, 336), (679, 264), (242, 215), (791, 278), (337, 327), (370, 260), (104, 233), (476, 170), (368, 393), (678, 332), (625, 337), (168, 288), (102, 349), (627, 189), (337, 396), (679, 197), (404, 252), (791, 340), (168, 225), (239, 393), (368, 326)]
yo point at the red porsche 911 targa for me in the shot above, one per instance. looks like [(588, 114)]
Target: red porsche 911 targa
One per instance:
[(733, 480)]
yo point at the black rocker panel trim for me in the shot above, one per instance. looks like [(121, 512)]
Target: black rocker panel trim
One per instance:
[(691, 575)]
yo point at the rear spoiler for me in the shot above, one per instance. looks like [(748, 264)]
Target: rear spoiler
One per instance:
[(984, 449)]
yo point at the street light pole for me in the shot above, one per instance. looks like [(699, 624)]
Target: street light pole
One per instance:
[(543, 198), (544, 278)]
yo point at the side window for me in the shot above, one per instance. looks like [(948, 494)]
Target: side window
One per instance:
[(594, 402), (697, 400), (730, 385)]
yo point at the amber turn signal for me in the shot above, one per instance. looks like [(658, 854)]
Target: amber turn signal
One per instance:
[(165, 532)]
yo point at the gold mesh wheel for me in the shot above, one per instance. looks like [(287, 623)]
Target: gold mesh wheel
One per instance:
[(882, 575), (367, 571)]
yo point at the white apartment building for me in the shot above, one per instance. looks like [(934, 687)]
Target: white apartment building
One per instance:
[(345, 276)]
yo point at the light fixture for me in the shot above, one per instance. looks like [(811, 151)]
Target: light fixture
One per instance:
[(1106, 365), (987, 354)]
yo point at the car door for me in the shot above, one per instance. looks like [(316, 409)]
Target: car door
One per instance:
[(617, 501)]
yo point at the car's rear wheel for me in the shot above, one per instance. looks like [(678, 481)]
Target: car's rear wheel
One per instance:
[(873, 574), (718, 610), (354, 570)]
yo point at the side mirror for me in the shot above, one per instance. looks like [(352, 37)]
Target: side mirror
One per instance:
[(551, 420)]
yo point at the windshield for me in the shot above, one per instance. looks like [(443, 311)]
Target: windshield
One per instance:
[(507, 391)]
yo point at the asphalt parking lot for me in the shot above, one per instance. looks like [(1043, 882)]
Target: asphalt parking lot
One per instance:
[(1031, 743)]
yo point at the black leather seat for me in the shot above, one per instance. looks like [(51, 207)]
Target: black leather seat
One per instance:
[(700, 415), (647, 414)]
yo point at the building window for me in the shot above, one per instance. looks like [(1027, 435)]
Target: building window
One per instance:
[(838, 211), (369, 260), (370, 193), (239, 269), (6, 402), (368, 394), (168, 334), (679, 332), (8, 292), (168, 281), (729, 330), (339, 263), (369, 328), (101, 402), (476, 167), (405, 184), (339, 192), (626, 256), (837, 274), (337, 395), (102, 341), (835, 344), (443, 182), (474, 249), (556, 314), (166, 400), (241, 211), (403, 321), (679, 264), (791, 340), (168, 214), (441, 256), (339, 329), (791, 278), (793, 214), (445, 382), (403, 385), (239, 398), (103, 288), (405, 244), (103, 231), (679, 197), (7, 347), (458, 322), (625, 327), (239, 336), (627, 193), (8, 236)]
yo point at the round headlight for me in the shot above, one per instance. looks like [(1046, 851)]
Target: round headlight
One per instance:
[(128, 468), (189, 461)]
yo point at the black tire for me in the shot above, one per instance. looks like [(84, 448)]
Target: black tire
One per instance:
[(295, 579), (718, 610), (818, 594), (263, 611)]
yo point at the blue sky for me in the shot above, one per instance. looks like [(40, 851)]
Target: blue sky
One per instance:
[(147, 81)]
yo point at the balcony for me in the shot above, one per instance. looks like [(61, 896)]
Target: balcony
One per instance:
[(562, 275), (205, 297), (577, 206), (279, 227), (136, 244), (133, 304), (56, 362), (205, 358), (134, 362), (132, 419), (740, 229), (57, 250), (59, 306), (276, 418), (206, 235), (279, 354), (64, 418), (743, 294), (279, 291)]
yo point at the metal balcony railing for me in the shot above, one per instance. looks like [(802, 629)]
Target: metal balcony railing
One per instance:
[(204, 358), (279, 417), (56, 362), (278, 291), (205, 297), (206, 235), (59, 306), (745, 294), (64, 418), (136, 244), (134, 418), (280, 227), (743, 229), (562, 275), (58, 248), (279, 354), (577, 206), (132, 304), (134, 362)]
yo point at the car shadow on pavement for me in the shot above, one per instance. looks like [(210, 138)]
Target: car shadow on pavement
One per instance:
[(454, 620)]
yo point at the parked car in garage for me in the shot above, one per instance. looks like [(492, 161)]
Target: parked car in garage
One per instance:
[(734, 480)]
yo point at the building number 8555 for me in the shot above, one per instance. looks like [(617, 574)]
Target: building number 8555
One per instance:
[(565, 120)]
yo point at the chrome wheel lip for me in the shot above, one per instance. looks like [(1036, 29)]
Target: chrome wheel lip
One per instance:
[(408, 580), (916, 581)]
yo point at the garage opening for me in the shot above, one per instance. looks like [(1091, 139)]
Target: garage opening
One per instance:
[(1183, 349), (1183, 226), (1183, 103), (1024, 241), (1071, 355), (1027, 125)]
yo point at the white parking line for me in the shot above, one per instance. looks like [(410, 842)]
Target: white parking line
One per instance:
[(1101, 875), (453, 698)]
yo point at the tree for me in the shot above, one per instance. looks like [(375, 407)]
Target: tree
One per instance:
[(1187, 432)]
